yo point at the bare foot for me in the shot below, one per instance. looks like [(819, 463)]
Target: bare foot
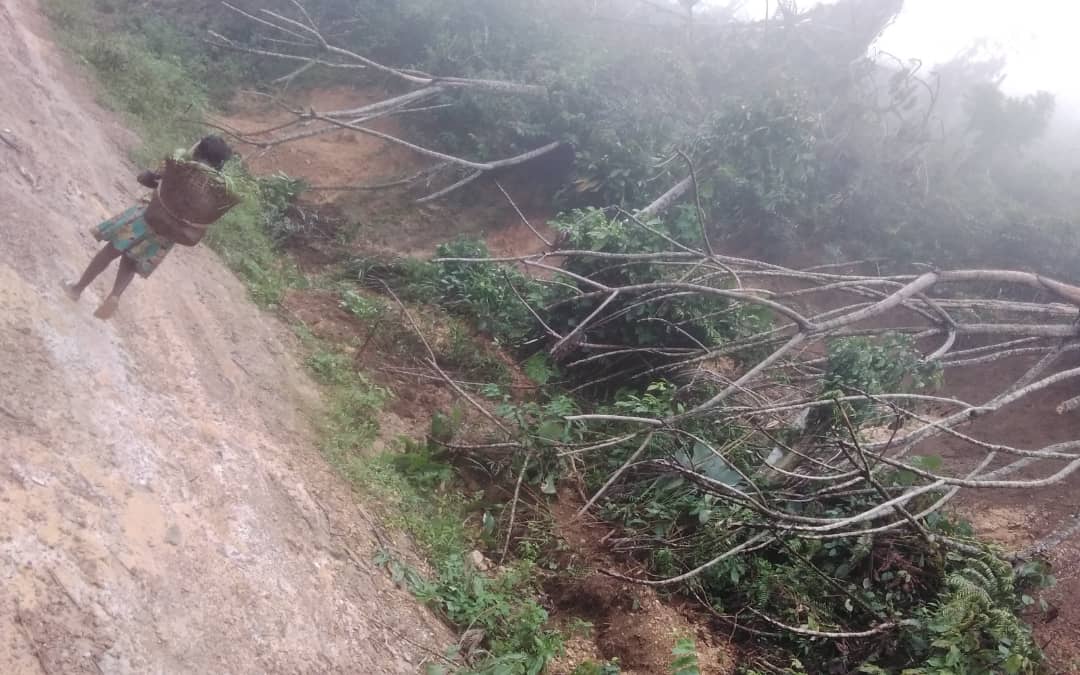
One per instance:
[(108, 308), (70, 291)]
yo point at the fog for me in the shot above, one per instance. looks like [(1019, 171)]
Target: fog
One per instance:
[(1038, 37)]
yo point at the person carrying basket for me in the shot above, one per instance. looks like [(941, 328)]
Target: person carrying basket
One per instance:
[(189, 195)]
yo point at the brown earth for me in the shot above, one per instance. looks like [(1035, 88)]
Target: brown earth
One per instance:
[(388, 220), (1017, 518), (162, 505), (631, 623)]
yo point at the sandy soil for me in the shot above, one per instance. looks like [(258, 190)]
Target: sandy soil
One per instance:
[(162, 506), (388, 220)]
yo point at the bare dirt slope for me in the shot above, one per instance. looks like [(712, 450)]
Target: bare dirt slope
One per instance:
[(162, 509)]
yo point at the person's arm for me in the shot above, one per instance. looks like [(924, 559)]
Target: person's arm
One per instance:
[(151, 179)]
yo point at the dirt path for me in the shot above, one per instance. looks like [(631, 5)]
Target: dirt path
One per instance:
[(162, 508)]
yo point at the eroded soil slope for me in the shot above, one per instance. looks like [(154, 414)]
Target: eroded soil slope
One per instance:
[(162, 506)]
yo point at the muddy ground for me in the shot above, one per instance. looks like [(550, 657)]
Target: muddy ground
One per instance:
[(163, 508)]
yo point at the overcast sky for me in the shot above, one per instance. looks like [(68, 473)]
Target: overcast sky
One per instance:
[(1041, 38)]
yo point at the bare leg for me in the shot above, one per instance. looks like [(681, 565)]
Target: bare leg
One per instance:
[(124, 276), (97, 265)]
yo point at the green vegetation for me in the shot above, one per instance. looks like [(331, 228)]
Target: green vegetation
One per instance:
[(686, 660), (593, 668), (245, 238), (799, 142), (944, 610), (485, 293), (509, 628), (148, 75), (799, 133)]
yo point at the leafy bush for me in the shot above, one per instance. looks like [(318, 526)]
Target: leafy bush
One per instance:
[(469, 355), (514, 628), (593, 668), (362, 307), (675, 322), (958, 612), (862, 366), (498, 610), (955, 610), (686, 660), (244, 237), (485, 293)]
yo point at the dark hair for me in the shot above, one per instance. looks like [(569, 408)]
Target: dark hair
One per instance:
[(213, 150)]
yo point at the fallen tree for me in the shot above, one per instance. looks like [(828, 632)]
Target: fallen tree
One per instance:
[(750, 394), (799, 404), (306, 44)]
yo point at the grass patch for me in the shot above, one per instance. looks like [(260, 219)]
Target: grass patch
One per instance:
[(148, 83), (457, 348), (496, 610), (243, 240), (162, 80), (353, 405)]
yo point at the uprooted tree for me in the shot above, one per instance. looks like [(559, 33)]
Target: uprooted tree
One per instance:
[(788, 413), (716, 406)]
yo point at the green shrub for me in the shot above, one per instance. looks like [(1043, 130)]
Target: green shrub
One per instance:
[(498, 608), (485, 292), (244, 237), (593, 668), (362, 307)]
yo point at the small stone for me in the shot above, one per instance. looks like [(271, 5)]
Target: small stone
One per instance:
[(479, 561), (172, 535)]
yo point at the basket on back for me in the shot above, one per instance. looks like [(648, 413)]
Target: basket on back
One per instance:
[(188, 198)]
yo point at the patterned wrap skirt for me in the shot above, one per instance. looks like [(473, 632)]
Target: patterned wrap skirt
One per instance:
[(129, 234)]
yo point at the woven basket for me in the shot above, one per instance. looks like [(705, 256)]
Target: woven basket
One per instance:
[(189, 194)]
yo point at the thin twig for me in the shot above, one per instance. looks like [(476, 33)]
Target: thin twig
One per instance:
[(615, 476), (697, 201), (433, 362), (522, 215), (513, 507), (832, 635)]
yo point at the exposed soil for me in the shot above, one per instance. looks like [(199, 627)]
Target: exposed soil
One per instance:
[(1017, 518), (336, 159), (389, 221), (630, 622), (163, 508)]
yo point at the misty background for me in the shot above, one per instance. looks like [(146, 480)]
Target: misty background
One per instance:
[(1035, 43)]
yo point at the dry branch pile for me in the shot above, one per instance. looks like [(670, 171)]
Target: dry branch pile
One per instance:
[(785, 382), (304, 42)]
